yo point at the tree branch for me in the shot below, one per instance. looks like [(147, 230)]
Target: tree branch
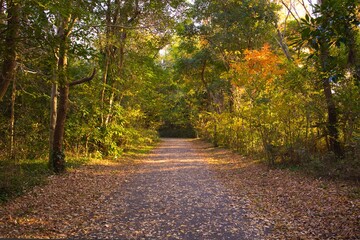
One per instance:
[(86, 79), (291, 12)]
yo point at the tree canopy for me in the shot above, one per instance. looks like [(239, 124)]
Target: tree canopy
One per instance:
[(106, 76)]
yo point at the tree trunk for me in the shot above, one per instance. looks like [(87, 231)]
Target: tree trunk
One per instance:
[(121, 52), (282, 43), (12, 121), (105, 79), (210, 95), (9, 65), (332, 123), (57, 161), (107, 60), (111, 102), (58, 155), (53, 115)]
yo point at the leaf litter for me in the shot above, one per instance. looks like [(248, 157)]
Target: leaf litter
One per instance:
[(184, 189)]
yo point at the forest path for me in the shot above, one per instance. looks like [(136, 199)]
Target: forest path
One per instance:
[(183, 189), (174, 194), (170, 194)]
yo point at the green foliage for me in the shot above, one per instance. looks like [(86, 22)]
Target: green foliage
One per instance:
[(14, 179), (123, 106), (207, 83), (253, 100)]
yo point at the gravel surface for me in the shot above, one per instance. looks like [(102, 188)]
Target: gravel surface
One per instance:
[(170, 194), (184, 189), (173, 195)]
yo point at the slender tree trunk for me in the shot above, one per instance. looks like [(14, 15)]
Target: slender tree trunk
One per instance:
[(58, 156), (57, 161), (121, 52), (53, 115), (12, 31), (210, 94), (107, 59), (332, 122), (111, 102), (282, 43), (12, 121), (105, 79)]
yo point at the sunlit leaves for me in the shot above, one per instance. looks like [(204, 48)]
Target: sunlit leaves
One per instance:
[(258, 69), (330, 24)]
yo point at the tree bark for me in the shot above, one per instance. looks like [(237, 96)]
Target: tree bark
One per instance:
[(57, 161), (9, 65), (107, 49), (332, 122), (282, 43), (12, 121), (58, 155), (53, 115)]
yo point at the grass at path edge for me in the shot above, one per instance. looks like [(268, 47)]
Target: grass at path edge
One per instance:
[(16, 179)]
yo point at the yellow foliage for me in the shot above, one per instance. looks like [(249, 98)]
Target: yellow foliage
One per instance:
[(203, 42)]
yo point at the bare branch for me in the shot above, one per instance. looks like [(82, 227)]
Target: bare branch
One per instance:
[(291, 12), (122, 26), (86, 79), (303, 4)]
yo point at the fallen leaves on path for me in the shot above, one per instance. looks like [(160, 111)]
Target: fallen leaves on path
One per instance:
[(184, 190), (295, 206), (65, 204)]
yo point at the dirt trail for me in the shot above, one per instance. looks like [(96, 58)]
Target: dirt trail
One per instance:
[(184, 189), (173, 195)]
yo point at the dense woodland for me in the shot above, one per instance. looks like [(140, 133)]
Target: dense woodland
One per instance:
[(98, 78)]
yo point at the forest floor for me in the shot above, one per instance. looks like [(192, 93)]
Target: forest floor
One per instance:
[(184, 189)]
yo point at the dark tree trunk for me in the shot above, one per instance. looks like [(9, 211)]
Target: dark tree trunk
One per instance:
[(12, 121), (53, 116), (332, 122), (57, 160), (58, 156), (9, 65), (107, 50), (210, 94)]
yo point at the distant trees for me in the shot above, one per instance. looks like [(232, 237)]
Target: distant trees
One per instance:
[(236, 71), (296, 95), (51, 46)]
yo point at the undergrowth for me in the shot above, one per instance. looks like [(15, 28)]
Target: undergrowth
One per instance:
[(327, 166), (16, 178)]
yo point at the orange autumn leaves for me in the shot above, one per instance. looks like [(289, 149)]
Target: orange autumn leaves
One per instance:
[(257, 70)]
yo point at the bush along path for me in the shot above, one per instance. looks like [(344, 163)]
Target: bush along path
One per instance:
[(184, 189)]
